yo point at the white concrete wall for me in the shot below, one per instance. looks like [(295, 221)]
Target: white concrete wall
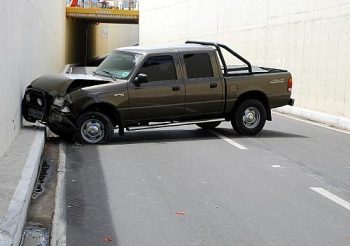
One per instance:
[(310, 38), (32, 39), (122, 35), (111, 36)]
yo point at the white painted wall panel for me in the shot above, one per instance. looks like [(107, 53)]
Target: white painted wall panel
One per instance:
[(32, 39), (309, 38)]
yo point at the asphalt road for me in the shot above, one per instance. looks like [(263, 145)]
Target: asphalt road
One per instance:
[(186, 186)]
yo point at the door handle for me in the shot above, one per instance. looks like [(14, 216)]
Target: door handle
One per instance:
[(213, 85), (175, 88)]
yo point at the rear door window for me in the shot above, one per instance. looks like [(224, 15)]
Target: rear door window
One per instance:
[(198, 65)]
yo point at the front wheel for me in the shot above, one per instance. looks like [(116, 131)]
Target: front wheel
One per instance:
[(94, 128), (249, 118)]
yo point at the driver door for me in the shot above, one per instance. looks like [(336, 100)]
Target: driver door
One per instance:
[(163, 95)]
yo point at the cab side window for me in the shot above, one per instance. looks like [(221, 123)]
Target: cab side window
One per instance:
[(159, 68), (198, 66)]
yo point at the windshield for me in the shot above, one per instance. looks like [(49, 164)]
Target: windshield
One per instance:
[(118, 65)]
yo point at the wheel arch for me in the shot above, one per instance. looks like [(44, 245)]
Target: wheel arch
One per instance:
[(105, 108), (258, 95)]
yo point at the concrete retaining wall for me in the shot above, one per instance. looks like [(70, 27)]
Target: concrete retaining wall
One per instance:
[(108, 37), (32, 35), (309, 38)]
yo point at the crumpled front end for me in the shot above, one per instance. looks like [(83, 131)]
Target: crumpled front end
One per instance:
[(48, 101), (38, 105)]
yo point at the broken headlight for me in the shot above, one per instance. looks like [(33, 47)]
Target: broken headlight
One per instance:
[(65, 110), (62, 103), (59, 101)]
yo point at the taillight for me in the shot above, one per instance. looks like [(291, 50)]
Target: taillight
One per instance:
[(290, 85)]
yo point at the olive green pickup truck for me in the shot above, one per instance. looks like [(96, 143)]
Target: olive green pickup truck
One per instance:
[(150, 87)]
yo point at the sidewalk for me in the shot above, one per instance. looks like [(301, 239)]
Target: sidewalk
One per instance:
[(318, 117), (18, 172)]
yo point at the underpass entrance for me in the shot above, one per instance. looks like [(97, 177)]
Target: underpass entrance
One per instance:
[(94, 28)]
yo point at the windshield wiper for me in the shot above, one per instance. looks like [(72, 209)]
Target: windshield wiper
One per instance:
[(111, 74), (99, 74)]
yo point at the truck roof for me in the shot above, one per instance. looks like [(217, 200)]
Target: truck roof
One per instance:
[(166, 48)]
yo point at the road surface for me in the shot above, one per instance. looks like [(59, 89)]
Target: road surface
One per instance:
[(187, 186)]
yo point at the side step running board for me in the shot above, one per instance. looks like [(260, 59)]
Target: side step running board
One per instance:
[(170, 124)]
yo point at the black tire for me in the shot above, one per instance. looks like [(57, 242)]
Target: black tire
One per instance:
[(234, 126), (209, 125), (249, 118), (94, 128)]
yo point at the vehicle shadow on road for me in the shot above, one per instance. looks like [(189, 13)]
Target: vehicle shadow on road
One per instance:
[(263, 134), (162, 136), (178, 135), (88, 215)]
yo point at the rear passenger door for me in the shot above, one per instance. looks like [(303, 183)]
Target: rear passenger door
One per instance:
[(204, 86)]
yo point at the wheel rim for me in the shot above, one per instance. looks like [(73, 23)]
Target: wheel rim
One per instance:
[(251, 117), (92, 131)]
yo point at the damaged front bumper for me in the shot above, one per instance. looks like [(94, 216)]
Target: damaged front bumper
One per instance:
[(61, 121), (37, 106), (34, 105)]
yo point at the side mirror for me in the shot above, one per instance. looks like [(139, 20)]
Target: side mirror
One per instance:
[(141, 78)]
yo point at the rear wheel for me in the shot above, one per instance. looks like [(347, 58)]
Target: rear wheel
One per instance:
[(209, 125), (94, 128), (249, 118)]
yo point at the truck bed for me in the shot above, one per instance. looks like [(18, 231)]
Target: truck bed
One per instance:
[(242, 69)]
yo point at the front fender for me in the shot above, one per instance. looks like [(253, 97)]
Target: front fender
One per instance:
[(118, 101)]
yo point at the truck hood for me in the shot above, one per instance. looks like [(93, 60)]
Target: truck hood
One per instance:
[(61, 84)]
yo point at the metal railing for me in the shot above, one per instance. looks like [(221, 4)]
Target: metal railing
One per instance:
[(120, 4)]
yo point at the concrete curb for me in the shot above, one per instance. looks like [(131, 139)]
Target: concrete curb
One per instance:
[(11, 229), (58, 232), (327, 119)]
